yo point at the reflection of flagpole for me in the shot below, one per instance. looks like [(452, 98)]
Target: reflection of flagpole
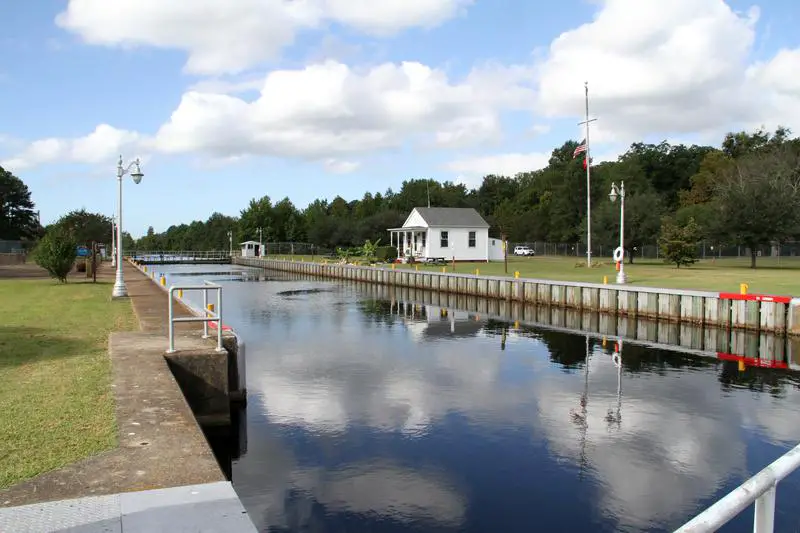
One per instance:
[(582, 418)]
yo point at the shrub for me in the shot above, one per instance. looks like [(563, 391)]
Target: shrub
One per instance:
[(56, 254), (678, 242), (386, 254)]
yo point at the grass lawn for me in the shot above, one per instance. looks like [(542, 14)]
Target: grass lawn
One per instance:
[(773, 275), (55, 374)]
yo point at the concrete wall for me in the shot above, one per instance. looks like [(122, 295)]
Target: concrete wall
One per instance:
[(664, 305)]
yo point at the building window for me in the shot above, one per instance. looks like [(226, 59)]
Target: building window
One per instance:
[(443, 239), (472, 239)]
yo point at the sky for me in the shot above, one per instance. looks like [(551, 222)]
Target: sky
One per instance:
[(229, 100)]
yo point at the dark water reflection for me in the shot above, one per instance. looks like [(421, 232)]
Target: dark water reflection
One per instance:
[(366, 414)]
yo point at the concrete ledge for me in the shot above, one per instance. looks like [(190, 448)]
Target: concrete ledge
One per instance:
[(209, 507)]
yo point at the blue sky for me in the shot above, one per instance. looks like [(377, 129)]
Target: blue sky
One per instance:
[(324, 106)]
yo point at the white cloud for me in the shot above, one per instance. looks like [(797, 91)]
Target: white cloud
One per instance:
[(329, 109), (674, 67), (474, 168), (232, 35), (103, 144), (337, 166)]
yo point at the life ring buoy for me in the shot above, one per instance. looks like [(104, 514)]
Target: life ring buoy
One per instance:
[(619, 254)]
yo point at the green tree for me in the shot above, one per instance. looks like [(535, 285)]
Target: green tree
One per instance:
[(678, 242), (85, 227), (18, 219), (56, 253), (757, 199)]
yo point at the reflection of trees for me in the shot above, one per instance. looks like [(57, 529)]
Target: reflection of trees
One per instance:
[(567, 350), (765, 380), (378, 311)]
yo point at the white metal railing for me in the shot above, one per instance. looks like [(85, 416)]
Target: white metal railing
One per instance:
[(760, 489), (185, 255), (206, 316)]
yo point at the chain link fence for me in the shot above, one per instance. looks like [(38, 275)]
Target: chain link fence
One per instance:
[(11, 247), (705, 250)]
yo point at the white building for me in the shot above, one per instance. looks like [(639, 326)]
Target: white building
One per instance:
[(250, 249), (445, 233)]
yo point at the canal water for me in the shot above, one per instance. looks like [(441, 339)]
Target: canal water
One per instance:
[(368, 413)]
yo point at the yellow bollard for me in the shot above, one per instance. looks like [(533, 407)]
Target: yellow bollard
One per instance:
[(741, 365), (444, 269), (163, 281), (180, 293), (743, 288), (516, 324), (145, 270), (605, 341), (477, 271), (605, 280), (416, 267), (516, 274), (392, 266)]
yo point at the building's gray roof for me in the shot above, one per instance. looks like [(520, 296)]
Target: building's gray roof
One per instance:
[(454, 217)]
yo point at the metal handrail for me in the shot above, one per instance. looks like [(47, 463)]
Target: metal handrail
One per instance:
[(178, 253), (206, 317), (760, 489)]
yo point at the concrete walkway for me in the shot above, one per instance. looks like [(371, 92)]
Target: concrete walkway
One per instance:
[(163, 475)]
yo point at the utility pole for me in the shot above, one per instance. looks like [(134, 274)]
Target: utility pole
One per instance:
[(588, 181)]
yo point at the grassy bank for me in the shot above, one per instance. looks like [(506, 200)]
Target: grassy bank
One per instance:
[(773, 275), (55, 374)]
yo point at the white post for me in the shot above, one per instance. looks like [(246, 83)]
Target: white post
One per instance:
[(621, 278), (120, 290), (764, 516), (218, 312), (113, 243)]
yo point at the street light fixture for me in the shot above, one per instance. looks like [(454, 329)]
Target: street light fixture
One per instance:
[(619, 253), (260, 245), (230, 243), (120, 290)]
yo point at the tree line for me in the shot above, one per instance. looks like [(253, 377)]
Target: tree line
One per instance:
[(745, 192)]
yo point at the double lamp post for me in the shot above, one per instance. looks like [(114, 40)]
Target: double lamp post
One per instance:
[(135, 171)]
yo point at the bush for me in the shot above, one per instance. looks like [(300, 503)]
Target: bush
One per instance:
[(386, 254), (56, 254), (678, 242)]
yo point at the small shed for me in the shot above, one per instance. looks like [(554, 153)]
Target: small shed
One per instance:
[(445, 233), (251, 249)]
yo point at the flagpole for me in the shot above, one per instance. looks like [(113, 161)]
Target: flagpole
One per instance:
[(588, 184)]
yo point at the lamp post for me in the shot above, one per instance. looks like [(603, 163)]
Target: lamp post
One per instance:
[(260, 245), (230, 243), (621, 278), (120, 290), (113, 243)]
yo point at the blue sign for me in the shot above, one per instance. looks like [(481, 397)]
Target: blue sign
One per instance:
[(83, 251)]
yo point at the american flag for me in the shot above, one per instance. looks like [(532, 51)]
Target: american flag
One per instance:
[(580, 149)]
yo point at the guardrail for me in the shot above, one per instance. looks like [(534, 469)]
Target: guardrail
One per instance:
[(760, 489), (180, 256), (208, 315)]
